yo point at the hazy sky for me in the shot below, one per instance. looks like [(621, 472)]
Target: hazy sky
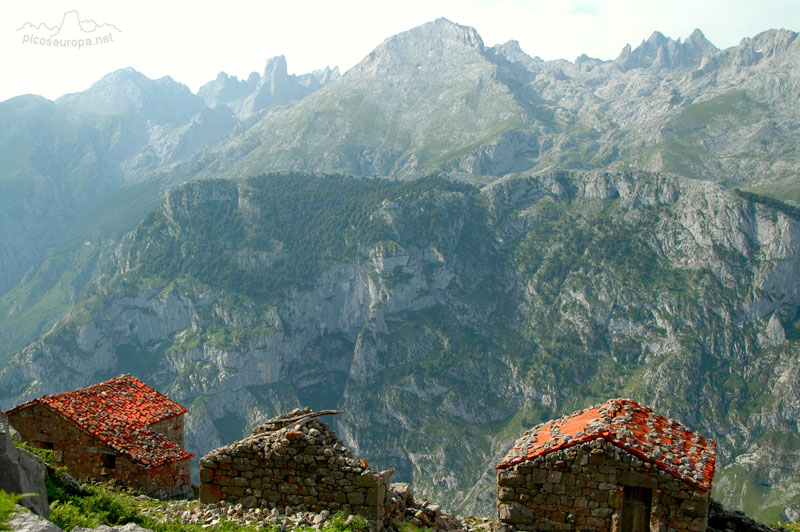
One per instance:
[(193, 41)]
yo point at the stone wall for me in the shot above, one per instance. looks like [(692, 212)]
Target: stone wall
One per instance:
[(171, 428), (298, 464), (83, 454), (582, 488)]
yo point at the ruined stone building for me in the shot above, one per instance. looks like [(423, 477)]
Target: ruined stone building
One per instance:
[(120, 429), (617, 466), (294, 460)]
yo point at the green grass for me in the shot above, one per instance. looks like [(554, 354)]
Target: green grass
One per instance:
[(683, 148), (735, 104), (786, 189), (100, 505), (7, 503)]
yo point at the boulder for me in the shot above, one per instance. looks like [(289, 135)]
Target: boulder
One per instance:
[(27, 521), (22, 472)]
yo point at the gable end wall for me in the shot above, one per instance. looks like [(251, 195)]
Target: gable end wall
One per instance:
[(581, 488), (171, 428)]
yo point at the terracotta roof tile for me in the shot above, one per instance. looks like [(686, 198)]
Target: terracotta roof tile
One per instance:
[(118, 412), (663, 442)]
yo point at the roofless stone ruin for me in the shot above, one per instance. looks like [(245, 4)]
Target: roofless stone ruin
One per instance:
[(294, 460)]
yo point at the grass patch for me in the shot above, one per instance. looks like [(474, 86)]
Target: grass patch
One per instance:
[(100, 505), (7, 503)]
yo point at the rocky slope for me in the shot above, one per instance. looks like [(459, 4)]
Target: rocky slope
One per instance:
[(68, 167), (446, 319), (79, 172), (435, 98)]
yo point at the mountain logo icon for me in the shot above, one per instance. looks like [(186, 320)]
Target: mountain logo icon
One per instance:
[(72, 32)]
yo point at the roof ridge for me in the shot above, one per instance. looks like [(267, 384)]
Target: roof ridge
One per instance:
[(117, 447), (664, 442), (118, 413)]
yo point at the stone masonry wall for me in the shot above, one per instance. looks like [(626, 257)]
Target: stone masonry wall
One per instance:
[(581, 488), (171, 428), (301, 465), (82, 454)]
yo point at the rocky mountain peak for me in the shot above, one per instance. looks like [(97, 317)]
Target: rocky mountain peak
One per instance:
[(697, 40), (225, 89), (661, 52), (275, 70), (656, 40), (320, 77), (512, 51), (276, 85), (775, 43), (440, 41), (127, 91), (451, 32)]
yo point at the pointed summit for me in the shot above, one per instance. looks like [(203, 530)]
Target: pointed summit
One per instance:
[(698, 43), (660, 52), (656, 40), (276, 69), (278, 86)]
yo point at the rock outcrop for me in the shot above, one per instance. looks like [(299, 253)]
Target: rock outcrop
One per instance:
[(22, 472), (24, 520), (479, 311), (722, 520)]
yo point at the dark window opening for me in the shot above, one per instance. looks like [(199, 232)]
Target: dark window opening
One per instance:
[(109, 460), (636, 509)]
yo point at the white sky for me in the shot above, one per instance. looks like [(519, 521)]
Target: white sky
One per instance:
[(193, 41)]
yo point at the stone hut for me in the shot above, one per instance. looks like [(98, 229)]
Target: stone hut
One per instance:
[(294, 460), (120, 430), (617, 466)]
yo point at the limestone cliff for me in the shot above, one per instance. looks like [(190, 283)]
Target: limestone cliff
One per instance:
[(445, 319)]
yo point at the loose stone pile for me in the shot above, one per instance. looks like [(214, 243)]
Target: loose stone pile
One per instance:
[(295, 463), (210, 515), (401, 507)]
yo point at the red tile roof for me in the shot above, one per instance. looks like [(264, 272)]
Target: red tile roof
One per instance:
[(663, 442), (118, 412)]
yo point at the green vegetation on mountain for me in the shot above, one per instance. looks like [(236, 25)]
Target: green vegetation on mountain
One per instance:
[(461, 315), (306, 222), (443, 318)]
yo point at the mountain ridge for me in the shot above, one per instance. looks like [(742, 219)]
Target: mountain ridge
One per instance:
[(595, 248)]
